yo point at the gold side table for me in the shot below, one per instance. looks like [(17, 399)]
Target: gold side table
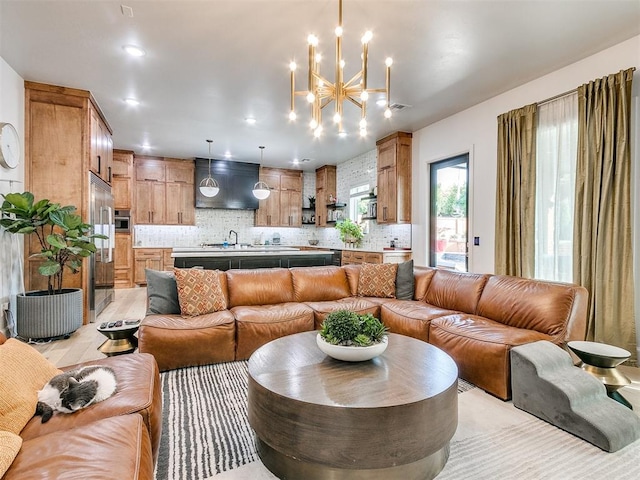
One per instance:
[(120, 337), (601, 360)]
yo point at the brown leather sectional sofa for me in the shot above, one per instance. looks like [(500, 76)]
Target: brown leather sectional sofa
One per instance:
[(116, 438), (474, 318)]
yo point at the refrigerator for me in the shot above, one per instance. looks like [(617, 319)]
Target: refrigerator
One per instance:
[(101, 264)]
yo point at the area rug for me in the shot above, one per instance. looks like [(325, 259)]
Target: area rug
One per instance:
[(206, 433)]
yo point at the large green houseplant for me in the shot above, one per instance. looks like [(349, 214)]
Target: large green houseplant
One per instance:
[(350, 232), (65, 240)]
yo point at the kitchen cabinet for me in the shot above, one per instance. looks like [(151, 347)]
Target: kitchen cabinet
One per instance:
[(144, 258), (325, 191), (394, 179), (123, 260), (283, 207), (164, 191), (122, 179), (180, 209), (60, 125), (361, 256)]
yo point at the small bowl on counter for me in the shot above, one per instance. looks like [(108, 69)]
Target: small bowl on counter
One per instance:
[(314, 242)]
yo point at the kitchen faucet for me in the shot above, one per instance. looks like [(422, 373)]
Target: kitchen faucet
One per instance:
[(233, 231)]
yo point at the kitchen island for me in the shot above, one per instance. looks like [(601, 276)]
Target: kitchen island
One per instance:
[(249, 256)]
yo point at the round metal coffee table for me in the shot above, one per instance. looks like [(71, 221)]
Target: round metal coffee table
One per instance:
[(318, 418)]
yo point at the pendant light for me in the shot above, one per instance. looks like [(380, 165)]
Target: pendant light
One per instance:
[(261, 190), (208, 186)]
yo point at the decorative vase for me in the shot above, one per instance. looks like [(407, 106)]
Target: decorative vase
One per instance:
[(40, 315), (352, 353)]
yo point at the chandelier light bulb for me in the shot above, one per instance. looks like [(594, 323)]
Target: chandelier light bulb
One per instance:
[(313, 40), (342, 63), (336, 118), (318, 131), (320, 83), (338, 31), (363, 123), (363, 132), (293, 66), (388, 62), (313, 124), (310, 97), (366, 38), (364, 96), (318, 58), (387, 113), (292, 115)]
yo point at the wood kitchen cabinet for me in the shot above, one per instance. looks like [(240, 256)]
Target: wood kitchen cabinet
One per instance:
[(122, 179), (144, 258), (123, 260), (283, 207), (164, 191), (360, 256), (60, 124), (325, 189), (394, 178)]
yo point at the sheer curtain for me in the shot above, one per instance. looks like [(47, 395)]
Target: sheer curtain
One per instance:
[(556, 151)]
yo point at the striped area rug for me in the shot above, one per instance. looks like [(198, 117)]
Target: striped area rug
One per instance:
[(205, 430)]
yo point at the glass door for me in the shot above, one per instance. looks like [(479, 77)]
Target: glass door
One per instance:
[(448, 218)]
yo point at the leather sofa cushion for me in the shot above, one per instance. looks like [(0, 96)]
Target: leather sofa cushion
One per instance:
[(481, 348), (355, 304), (178, 342), (262, 286), (318, 284), (455, 290), (422, 278), (410, 317), (524, 303), (117, 447), (138, 392), (259, 324)]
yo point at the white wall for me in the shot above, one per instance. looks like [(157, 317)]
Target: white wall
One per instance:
[(11, 180), (475, 131)]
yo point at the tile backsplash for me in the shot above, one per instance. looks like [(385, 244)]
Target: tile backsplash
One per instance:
[(213, 226)]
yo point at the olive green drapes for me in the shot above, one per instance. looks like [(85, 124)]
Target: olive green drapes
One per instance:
[(603, 255), (515, 193)]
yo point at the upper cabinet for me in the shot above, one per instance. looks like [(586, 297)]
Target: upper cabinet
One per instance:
[(283, 206), (394, 179), (164, 191), (101, 150), (122, 179), (325, 191)]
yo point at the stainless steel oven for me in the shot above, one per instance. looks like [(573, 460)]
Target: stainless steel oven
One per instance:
[(123, 221)]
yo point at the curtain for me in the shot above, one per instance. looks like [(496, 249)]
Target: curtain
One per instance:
[(556, 143), (515, 195), (603, 256)]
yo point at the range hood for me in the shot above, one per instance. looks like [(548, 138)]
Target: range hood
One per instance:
[(236, 181)]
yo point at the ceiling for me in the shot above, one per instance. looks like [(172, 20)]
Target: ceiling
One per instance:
[(210, 64)]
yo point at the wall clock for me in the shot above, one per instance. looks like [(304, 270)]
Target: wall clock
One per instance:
[(9, 146)]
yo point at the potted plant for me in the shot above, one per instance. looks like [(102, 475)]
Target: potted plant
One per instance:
[(350, 232), (312, 201), (347, 335), (65, 240)]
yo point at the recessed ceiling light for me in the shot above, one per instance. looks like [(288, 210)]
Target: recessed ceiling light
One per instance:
[(132, 101), (146, 146), (227, 154), (134, 50), (381, 102), (296, 161), (342, 134), (250, 120)]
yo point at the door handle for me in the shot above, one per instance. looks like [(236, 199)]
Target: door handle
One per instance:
[(99, 164)]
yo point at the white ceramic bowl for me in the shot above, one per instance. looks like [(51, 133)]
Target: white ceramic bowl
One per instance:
[(352, 354)]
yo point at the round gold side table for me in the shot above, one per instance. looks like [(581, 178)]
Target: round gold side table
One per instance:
[(601, 360), (120, 337)]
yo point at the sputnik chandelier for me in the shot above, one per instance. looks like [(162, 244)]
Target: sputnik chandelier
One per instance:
[(321, 92)]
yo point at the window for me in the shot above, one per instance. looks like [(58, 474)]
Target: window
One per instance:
[(358, 202), (556, 154)]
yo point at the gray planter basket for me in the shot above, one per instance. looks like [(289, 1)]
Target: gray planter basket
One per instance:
[(40, 315)]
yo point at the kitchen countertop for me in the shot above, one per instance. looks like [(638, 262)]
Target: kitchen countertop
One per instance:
[(365, 250), (253, 251)]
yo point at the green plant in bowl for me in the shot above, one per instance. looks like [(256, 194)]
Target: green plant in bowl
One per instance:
[(347, 328)]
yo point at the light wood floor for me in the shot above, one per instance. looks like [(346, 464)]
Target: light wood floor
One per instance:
[(83, 344), (132, 303)]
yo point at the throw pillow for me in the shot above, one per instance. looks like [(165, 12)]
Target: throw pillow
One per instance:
[(199, 291), (405, 282), (23, 371), (162, 292), (377, 280), (10, 444)]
